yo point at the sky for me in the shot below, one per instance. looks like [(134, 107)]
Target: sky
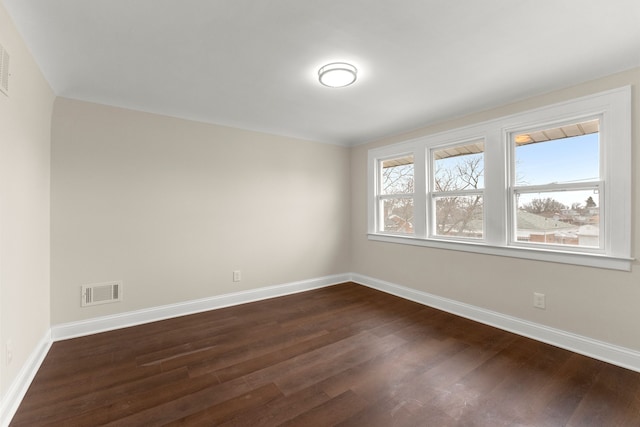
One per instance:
[(567, 160), (562, 160)]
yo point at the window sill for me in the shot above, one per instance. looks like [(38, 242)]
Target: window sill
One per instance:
[(563, 257)]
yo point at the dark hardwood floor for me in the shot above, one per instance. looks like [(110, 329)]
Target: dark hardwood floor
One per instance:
[(343, 355)]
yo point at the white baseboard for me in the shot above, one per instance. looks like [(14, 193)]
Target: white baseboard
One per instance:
[(600, 350), (610, 353), (21, 383), (133, 318)]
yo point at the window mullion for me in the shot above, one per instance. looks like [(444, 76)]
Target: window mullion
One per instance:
[(396, 196), (458, 193), (420, 200), (496, 186), (557, 187)]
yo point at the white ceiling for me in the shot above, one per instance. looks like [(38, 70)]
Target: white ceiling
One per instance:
[(253, 63)]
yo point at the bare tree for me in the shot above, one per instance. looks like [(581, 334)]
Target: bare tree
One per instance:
[(398, 212), (544, 206), (397, 179), (464, 175), (454, 214)]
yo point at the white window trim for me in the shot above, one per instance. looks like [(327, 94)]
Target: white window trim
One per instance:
[(614, 109)]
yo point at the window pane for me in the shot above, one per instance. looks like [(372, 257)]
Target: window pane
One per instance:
[(459, 167), (398, 215), (561, 218), (563, 154), (459, 216), (397, 176)]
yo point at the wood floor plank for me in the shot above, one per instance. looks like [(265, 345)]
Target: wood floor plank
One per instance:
[(560, 398), (341, 355), (280, 410), (275, 357), (331, 412), (472, 393), (227, 410), (305, 370), (613, 398), (84, 388), (148, 406), (374, 377), (88, 408), (268, 343), (388, 412), (514, 400)]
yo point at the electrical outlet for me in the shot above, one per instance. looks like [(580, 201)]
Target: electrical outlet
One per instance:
[(237, 276), (539, 300), (9, 352)]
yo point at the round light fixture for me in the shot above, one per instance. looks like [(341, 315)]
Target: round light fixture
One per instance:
[(337, 74)]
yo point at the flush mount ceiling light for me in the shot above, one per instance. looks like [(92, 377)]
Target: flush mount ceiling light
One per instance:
[(337, 74)]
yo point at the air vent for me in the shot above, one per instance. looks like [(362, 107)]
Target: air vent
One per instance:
[(4, 71), (101, 293)]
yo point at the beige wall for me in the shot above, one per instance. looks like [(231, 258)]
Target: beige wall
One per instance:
[(597, 303), (25, 124), (171, 207)]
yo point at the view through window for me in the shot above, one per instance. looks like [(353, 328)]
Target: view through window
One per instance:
[(397, 194), (557, 185), (458, 180)]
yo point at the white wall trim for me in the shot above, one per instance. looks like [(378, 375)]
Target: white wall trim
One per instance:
[(600, 350), (21, 383), (563, 257), (138, 317)]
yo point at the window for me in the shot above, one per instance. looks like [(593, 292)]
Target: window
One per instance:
[(552, 184), (458, 180), (396, 195), (556, 186)]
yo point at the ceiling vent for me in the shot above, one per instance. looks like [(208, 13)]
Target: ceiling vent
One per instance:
[(101, 293), (4, 71)]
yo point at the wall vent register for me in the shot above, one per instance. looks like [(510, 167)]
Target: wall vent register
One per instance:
[(101, 293), (4, 71)]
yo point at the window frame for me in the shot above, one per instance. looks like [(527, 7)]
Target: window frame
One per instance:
[(612, 108)]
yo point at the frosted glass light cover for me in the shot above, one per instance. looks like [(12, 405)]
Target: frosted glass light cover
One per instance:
[(337, 74)]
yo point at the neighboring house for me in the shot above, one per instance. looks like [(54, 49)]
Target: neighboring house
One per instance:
[(589, 235), (537, 228), (540, 229), (398, 224), (584, 216)]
